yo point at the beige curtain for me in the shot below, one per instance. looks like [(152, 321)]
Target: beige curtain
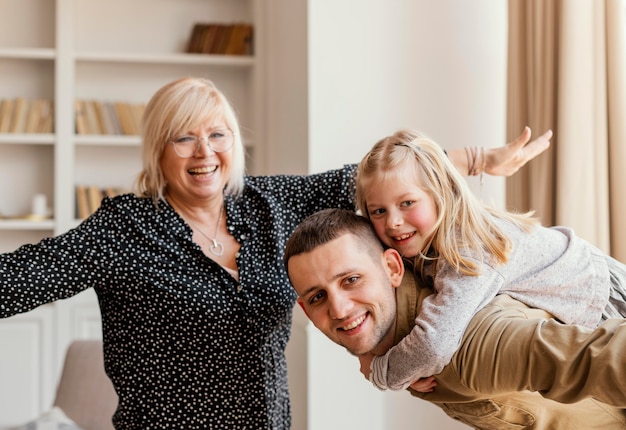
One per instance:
[(567, 72)]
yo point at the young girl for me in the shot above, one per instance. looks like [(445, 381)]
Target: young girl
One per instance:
[(468, 253)]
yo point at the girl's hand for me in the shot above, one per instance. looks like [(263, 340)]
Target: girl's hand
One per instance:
[(508, 159), (424, 385), (366, 364)]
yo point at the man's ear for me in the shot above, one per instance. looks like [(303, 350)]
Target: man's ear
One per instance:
[(301, 303), (395, 266)]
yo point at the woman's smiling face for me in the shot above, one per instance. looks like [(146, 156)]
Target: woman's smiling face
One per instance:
[(201, 176)]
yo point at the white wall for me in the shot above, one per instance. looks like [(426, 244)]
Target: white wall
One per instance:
[(371, 67), (439, 67)]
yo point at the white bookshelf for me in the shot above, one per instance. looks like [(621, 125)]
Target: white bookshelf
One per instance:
[(113, 50)]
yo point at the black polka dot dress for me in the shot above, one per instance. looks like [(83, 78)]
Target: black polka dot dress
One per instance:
[(186, 345)]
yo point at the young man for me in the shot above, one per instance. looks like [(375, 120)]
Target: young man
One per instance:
[(353, 291)]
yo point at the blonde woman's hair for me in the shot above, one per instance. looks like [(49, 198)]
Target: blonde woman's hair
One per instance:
[(174, 109), (462, 220)]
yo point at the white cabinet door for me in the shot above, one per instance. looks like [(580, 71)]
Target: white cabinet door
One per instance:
[(27, 365), (32, 351)]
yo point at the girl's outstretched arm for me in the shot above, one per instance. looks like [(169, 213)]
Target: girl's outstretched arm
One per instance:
[(504, 160)]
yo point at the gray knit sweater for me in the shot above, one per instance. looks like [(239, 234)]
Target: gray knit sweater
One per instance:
[(548, 268)]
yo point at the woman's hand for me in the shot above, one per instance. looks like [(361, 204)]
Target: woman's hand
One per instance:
[(508, 159), (424, 385)]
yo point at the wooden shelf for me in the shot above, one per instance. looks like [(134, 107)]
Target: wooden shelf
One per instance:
[(25, 224), (181, 59), (28, 53), (27, 139), (107, 140)]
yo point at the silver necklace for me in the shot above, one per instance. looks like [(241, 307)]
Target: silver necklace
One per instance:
[(216, 248)]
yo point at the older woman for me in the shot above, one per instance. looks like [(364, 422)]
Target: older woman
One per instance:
[(196, 306)]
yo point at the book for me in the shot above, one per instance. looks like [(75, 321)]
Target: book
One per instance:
[(137, 114), (208, 38), (228, 31), (81, 117), (110, 192), (18, 120), (218, 38), (93, 125), (33, 116), (89, 198), (195, 43), (6, 115), (82, 202), (125, 118), (46, 121), (94, 197), (240, 42), (104, 120), (221, 33), (109, 108), (202, 36), (247, 37)]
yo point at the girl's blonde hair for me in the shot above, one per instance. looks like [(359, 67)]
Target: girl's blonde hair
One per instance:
[(462, 220), (174, 109)]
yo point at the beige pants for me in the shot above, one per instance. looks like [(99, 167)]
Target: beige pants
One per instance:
[(509, 349)]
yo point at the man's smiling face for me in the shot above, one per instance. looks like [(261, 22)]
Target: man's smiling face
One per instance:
[(347, 293)]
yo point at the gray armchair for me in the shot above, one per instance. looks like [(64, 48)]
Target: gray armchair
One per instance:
[(85, 393)]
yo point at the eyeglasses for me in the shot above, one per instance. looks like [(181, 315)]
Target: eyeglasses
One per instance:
[(218, 141)]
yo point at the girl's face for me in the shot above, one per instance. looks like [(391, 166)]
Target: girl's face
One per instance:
[(200, 177), (403, 214)]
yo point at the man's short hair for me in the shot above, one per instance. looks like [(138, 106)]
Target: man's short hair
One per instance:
[(327, 225)]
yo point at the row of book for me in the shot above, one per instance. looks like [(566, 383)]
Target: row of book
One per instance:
[(226, 39), (21, 115), (96, 117), (89, 198)]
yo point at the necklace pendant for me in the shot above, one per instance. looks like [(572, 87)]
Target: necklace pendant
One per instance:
[(217, 248)]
